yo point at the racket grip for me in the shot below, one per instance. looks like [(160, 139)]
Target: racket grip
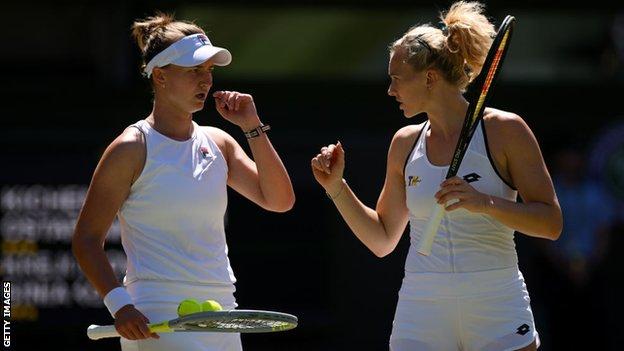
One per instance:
[(426, 240), (96, 332)]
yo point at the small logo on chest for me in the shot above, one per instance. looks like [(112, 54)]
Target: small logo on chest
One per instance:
[(205, 152), (472, 177), (413, 180)]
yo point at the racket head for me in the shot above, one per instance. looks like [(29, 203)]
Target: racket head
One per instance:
[(235, 321), (478, 92)]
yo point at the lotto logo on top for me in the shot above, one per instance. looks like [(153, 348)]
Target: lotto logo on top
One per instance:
[(472, 177)]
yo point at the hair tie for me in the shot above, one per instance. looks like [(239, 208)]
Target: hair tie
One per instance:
[(444, 29)]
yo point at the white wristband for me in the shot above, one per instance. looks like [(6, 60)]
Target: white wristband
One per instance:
[(116, 299)]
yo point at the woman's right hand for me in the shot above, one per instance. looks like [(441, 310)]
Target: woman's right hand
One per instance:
[(132, 324), (328, 167)]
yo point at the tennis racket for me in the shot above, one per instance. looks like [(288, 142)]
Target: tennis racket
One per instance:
[(232, 321), (477, 97)]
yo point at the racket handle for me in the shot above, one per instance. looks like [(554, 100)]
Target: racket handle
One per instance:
[(96, 332), (426, 240)]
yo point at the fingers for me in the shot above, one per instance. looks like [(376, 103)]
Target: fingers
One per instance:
[(144, 329), (133, 325), (453, 181), (446, 189), (452, 189), (130, 332), (455, 205), (321, 163), (457, 193), (237, 102), (318, 165), (327, 152), (453, 195), (231, 100), (324, 160), (137, 331), (220, 103), (340, 152)]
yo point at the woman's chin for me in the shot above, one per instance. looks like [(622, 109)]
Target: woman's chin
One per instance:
[(197, 107)]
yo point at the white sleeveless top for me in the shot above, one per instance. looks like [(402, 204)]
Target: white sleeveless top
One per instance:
[(465, 241), (172, 223)]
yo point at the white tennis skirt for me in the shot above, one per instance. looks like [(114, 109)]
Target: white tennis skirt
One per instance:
[(158, 301), (486, 311)]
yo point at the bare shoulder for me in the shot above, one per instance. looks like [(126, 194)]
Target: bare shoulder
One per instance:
[(402, 143), (407, 135), (504, 124), (216, 133), (220, 137), (509, 137), (129, 146), (124, 158)]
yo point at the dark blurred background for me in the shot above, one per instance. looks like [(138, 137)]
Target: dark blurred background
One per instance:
[(317, 70)]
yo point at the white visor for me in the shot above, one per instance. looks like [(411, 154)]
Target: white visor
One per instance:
[(189, 51)]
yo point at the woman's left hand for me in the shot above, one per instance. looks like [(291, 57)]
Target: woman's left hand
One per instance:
[(462, 195), (237, 108)]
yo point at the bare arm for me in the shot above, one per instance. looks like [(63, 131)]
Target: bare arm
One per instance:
[(109, 188), (539, 214), (265, 181), (120, 165), (379, 229)]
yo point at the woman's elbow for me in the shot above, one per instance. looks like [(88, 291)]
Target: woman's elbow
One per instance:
[(290, 202), (82, 245), (77, 244), (283, 206), (556, 227), (556, 233)]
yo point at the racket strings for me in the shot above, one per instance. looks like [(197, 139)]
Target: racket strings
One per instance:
[(246, 323)]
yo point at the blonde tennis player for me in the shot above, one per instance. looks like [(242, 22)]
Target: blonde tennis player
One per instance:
[(469, 293), (166, 177)]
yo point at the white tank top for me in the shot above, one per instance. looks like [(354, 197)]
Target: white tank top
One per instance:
[(465, 241), (172, 223)]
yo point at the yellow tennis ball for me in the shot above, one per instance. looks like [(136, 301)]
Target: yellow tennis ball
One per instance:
[(189, 306), (211, 305)]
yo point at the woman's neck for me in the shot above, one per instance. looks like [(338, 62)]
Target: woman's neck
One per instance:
[(446, 113), (171, 121)]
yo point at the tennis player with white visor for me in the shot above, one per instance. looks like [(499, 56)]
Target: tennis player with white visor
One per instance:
[(166, 178), (192, 50)]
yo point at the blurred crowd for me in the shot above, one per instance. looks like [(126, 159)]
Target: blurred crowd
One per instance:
[(577, 275)]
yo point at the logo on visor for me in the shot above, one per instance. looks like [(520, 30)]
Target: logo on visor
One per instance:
[(203, 40)]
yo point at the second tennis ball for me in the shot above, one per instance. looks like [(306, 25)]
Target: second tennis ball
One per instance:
[(211, 305), (189, 306)]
